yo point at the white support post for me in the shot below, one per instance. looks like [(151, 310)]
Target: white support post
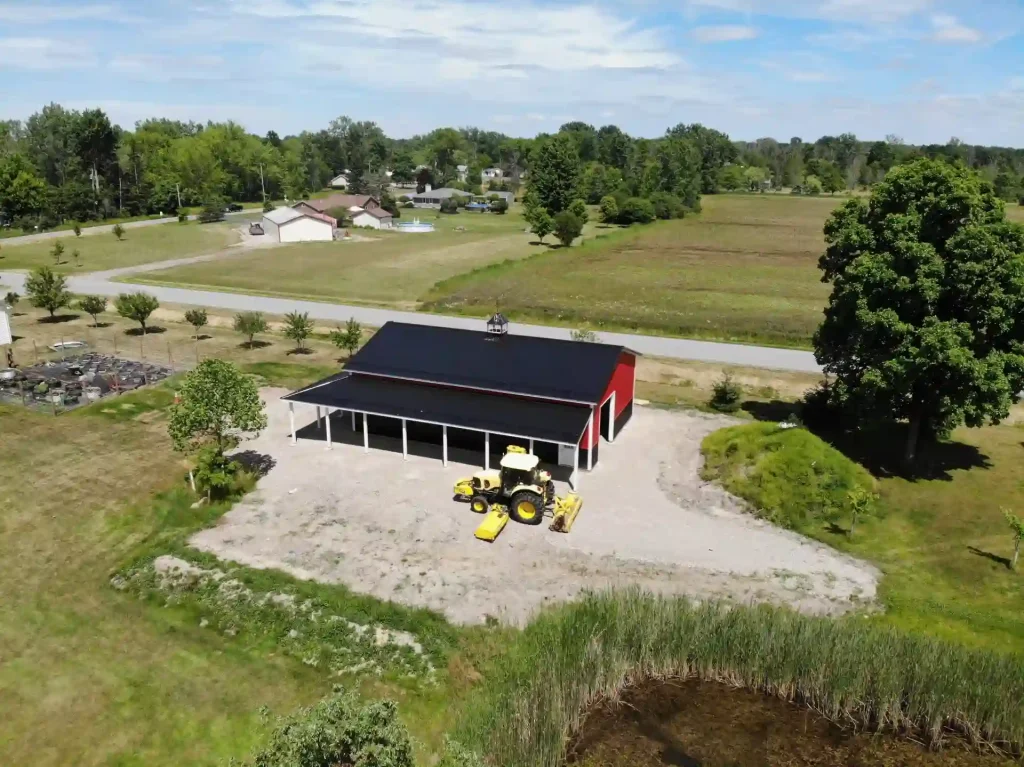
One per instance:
[(318, 417), (444, 445), (405, 441), (590, 442), (531, 446), (291, 419), (366, 433), (327, 420), (611, 419), (353, 414), (487, 450), (576, 468)]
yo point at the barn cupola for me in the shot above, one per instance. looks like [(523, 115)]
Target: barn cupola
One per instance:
[(497, 325)]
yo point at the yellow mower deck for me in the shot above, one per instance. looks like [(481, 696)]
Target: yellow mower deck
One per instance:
[(566, 511), (494, 522)]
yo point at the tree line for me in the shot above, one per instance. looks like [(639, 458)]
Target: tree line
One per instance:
[(64, 165)]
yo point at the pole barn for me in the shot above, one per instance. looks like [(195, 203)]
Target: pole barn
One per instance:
[(482, 391)]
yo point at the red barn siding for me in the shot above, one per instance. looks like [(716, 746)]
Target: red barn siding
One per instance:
[(622, 383)]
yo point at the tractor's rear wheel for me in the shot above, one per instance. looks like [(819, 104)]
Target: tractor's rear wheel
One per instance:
[(527, 507), (480, 504)]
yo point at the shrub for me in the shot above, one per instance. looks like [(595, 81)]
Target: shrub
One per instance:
[(118, 232), (182, 217), (579, 209), (449, 206), (609, 209), (250, 324), (567, 227), (197, 319), (666, 206), (726, 394), (405, 198), (267, 206), (341, 215), (339, 730), (636, 210), (298, 327), (213, 211), (409, 204), (349, 338), (792, 478), (499, 206)]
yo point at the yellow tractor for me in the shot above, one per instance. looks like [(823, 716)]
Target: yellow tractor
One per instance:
[(518, 489)]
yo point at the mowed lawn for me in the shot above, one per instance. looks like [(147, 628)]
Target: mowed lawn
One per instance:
[(380, 268), (89, 676), (745, 269), (143, 245)]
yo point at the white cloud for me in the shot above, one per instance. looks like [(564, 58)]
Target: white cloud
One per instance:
[(165, 69), (725, 33), (948, 29), (859, 11), (33, 12), (43, 54)]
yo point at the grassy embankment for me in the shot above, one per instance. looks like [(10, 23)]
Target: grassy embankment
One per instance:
[(851, 672), (937, 533), (104, 251)]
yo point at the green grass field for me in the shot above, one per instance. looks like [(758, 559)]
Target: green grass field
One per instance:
[(745, 269), (939, 536), (139, 246), (386, 268)]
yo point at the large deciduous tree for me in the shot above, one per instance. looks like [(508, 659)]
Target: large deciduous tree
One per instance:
[(47, 290), (216, 406), (926, 318), (555, 174)]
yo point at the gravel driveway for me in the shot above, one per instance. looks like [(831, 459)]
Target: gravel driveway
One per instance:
[(391, 529)]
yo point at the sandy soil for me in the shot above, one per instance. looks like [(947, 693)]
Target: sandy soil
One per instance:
[(391, 529)]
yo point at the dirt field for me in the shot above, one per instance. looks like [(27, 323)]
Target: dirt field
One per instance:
[(391, 529)]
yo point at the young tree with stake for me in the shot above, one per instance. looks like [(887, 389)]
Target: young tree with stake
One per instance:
[(93, 306), (250, 324), (47, 290), (217, 406), (77, 229), (567, 227), (118, 232), (298, 327), (349, 338), (57, 251), (136, 306), (197, 319)]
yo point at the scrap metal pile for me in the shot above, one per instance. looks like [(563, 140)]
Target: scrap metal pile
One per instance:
[(76, 380)]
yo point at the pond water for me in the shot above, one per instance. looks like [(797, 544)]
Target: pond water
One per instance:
[(702, 724)]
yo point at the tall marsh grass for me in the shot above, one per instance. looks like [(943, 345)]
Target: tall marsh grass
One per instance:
[(858, 675)]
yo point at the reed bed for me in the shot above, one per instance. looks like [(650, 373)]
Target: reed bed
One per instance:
[(856, 674)]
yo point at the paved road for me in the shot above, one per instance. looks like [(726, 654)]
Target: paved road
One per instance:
[(660, 346), (88, 231)]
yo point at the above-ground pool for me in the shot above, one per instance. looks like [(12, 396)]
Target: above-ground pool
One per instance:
[(415, 226)]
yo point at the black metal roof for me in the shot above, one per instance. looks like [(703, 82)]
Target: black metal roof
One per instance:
[(497, 413), (570, 371)]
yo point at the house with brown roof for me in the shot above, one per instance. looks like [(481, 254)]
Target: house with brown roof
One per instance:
[(346, 201)]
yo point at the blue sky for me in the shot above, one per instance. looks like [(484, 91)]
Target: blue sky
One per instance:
[(925, 70)]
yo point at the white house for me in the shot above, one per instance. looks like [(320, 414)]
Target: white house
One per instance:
[(374, 218), (461, 172), (339, 182), (291, 225), (491, 174)]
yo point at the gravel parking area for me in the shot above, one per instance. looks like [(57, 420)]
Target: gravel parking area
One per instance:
[(390, 528)]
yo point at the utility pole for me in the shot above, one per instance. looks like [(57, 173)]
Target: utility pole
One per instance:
[(177, 189), (262, 185)]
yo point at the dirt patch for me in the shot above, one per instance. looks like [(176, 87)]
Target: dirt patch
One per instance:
[(390, 528)]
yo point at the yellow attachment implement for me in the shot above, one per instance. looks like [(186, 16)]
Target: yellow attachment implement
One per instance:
[(515, 449), (494, 522), (464, 488), (566, 511)]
